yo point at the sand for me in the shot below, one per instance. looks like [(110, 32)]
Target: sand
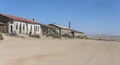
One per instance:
[(30, 51)]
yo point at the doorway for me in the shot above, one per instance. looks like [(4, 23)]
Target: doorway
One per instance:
[(11, 28), (20, 29)]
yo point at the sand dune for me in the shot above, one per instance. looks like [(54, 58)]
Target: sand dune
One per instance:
[(16, 51)]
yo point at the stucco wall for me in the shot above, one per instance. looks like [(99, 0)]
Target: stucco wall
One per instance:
[(24, 28), (17, 25)]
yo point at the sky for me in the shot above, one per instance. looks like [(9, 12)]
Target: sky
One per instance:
[(88, 16)]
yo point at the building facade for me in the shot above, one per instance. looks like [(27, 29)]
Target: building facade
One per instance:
[(47, 29), (62, 30), (20, 25)]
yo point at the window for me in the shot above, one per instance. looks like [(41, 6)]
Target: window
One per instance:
[(16, 26), (23, 26), (31, 28), (38, 28)]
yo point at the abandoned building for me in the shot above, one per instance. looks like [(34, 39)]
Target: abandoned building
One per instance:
[(78, 34), (13, 24), (47, 29), (68, 31), (61, 30), (10, 24)]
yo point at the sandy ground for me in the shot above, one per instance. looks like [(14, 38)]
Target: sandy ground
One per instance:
[(16, 51)]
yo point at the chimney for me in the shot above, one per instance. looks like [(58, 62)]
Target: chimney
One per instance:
[(69, 25), (33, 19)]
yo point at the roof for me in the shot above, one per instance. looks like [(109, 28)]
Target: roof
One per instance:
[(48, 26), (62, 27), (77, 31), (18, 18)]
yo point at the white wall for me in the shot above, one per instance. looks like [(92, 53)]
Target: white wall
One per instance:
[(9, 27), (26, 29), (17, 24)]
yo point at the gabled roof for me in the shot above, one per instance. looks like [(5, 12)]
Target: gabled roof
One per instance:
[(62, 27), (18, 18)]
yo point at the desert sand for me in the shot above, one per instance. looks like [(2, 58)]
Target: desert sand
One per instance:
[(31, 51)]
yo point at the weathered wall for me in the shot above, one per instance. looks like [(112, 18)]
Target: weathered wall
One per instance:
[(3, 28), (24, 28), (78, 34), (20, 27), (44, 30), (64, 31)]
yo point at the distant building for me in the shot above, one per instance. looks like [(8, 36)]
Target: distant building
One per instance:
[(10, 24), (47, 29), (62, 30), (77, 33), (67, 31)]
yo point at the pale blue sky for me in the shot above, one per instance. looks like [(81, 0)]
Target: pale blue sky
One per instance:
[(89, 16)]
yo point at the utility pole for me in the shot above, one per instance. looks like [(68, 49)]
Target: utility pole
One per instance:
[(33, 19), (69, 24)]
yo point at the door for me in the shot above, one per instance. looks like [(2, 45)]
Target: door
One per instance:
[(11, 28), (20, 31)]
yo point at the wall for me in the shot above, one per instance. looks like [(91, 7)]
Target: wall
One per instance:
[(64, 31), (24, 28), (20, 27), (3, 28), (44, 30), (78, 34)]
